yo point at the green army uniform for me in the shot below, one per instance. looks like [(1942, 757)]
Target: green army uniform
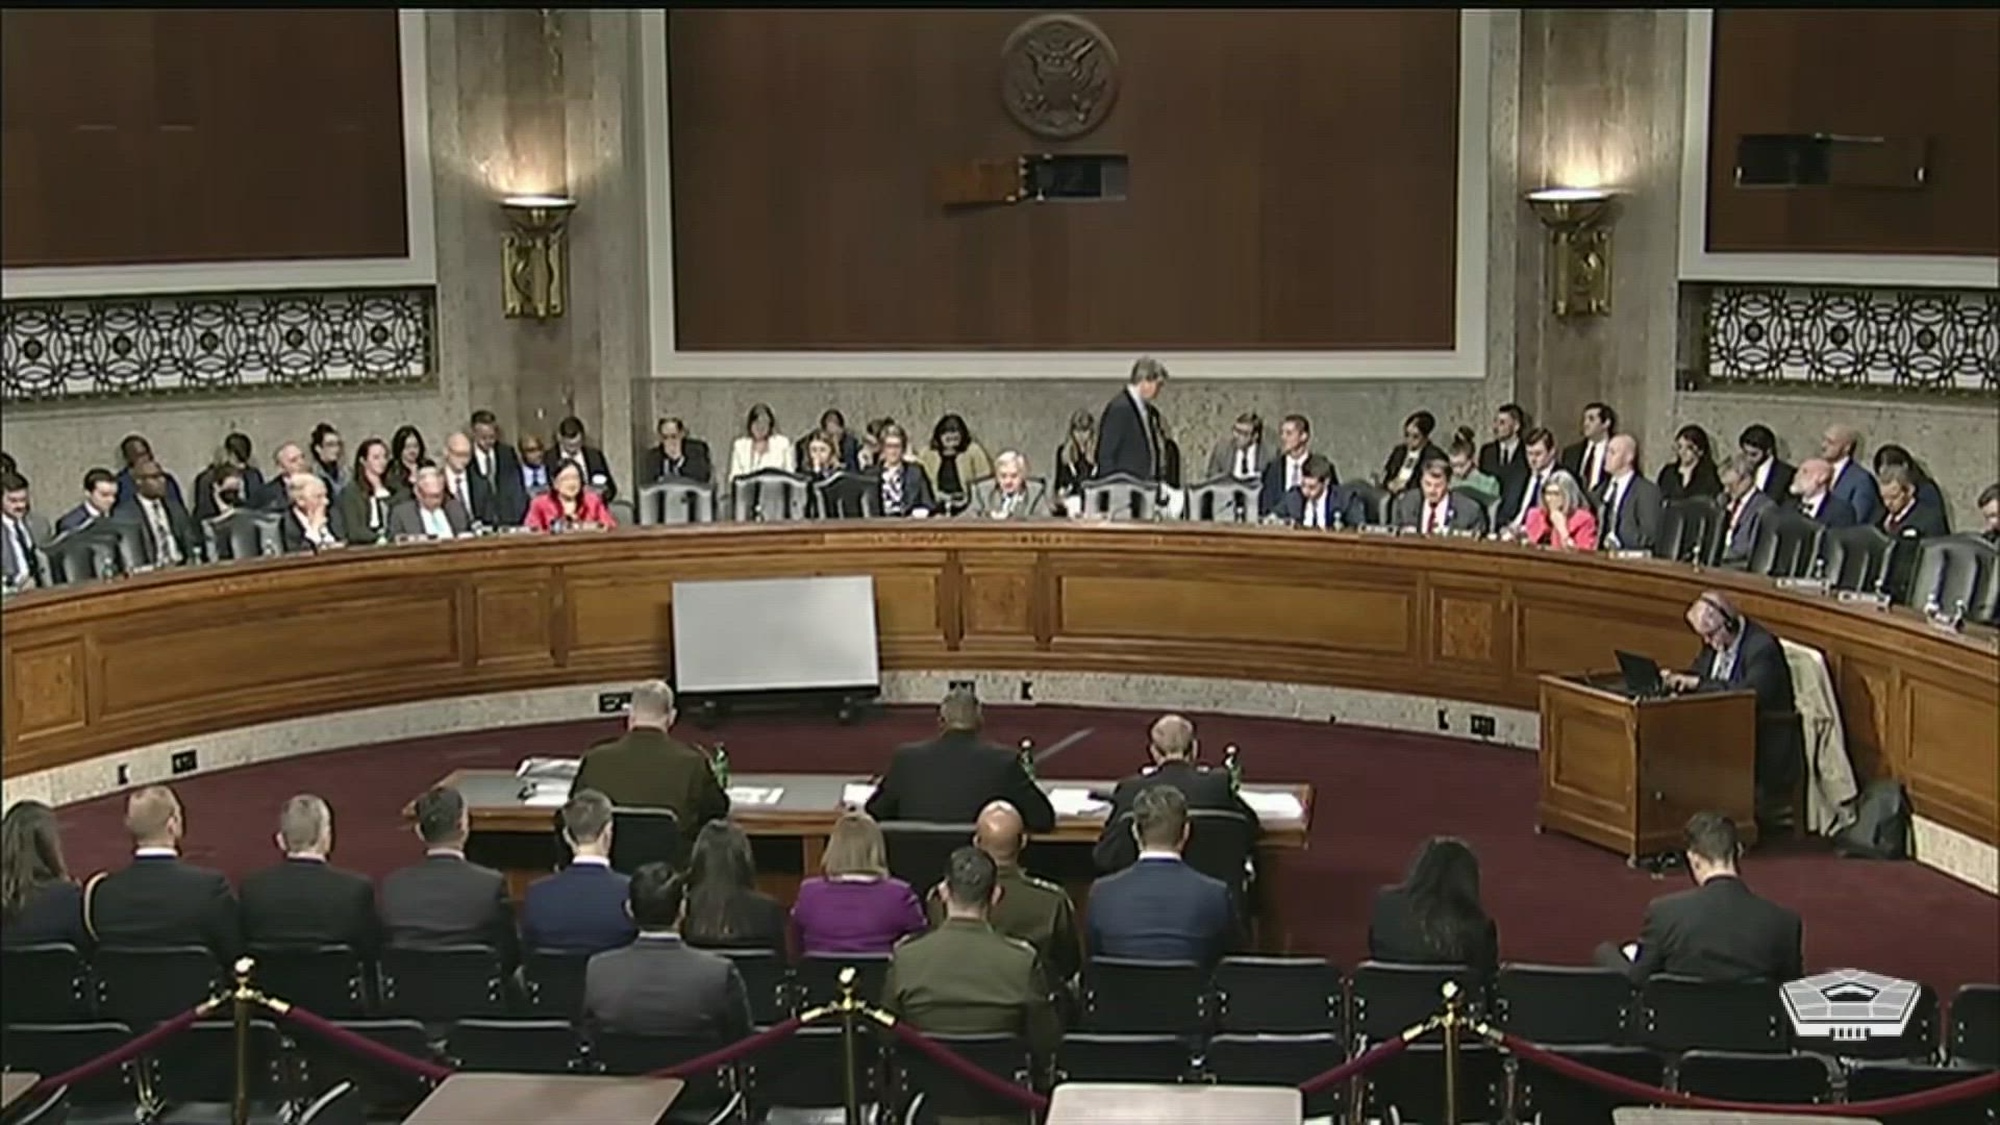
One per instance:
[(963, 978), (1035, 911)]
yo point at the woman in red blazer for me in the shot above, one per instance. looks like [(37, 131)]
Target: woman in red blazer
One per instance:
[(568, 505), (1563, 520)]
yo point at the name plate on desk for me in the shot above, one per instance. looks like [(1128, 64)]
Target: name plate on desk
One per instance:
[(1630, 555), (1863, 598), (1377, 529), (1816, 586)]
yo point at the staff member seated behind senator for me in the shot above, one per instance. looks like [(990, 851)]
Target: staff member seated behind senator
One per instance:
[(1160, 909), (647, 768), (1173, 748), (950, 778), (1720, 931)]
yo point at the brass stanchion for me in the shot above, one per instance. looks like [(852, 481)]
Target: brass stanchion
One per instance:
[(241, 998), (1450, 1021), (850, 1084)]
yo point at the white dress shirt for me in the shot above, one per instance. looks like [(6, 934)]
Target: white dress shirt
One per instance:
[(1246, 462), (484, 459), (744, 458), (1725, 662), (1593, 461), (1763, 475), (1531, 499), (436, 524), (17, 534), (1614, 495), (167, 549), (1316, 512), (455, 483), (1810, 505), (1295, 467)]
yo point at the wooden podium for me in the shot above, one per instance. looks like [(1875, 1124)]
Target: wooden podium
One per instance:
[(1626, 774)]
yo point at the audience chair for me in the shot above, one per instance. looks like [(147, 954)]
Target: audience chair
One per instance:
[(327, 980), (144, 986), (1223, 500), (1856, 558), (919, 850), (385, 1090), (1367, 504), (1785, 545), (1562, 1004), (197, 1068), (1974, 1039), (1412, 1085), (818, 977), (1128, 995), (1918, 1043), (1691, 531), (1737, 1076), (1121, 496), (1278, 995), (56, 1048), (46, 984), (1554, 1099), (1220, 845), (443, 984), (553, 981), (242, 534), (341, 1105), (768, 496), (643, 836), (928, 1091), (513, 1045), (1389, 997), (846, 496), (1685, 1014), (676, 501), (1117, 1057), (712, 1097), (1869, 1081), (807, 1072), (768, 981), (1280, 1060), (1951, 569)]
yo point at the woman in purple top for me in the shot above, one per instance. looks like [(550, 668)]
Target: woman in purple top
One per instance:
[(856, 907)]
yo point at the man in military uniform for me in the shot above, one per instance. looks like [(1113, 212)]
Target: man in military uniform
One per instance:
[(1173, 749), (648, 768), (1034, 910), (965, 978)]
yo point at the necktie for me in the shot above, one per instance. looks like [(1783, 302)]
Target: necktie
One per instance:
[(1590, 465), (1735, 516), (486, 463), (164, 548), (1313, 514), (1430, 518), (1007, 503), (1242, 462), (25, 549), (1155, 446)]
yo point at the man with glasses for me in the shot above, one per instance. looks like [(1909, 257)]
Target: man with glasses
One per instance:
[(170, 534), (1242, 455)]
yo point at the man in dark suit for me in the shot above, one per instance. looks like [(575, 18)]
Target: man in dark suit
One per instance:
[(1541, 453), (1432, 508), (582, 908), (949, 779), (648, 769), (1160, 909), (1737, 654), (1316, 502), (571, 445), (431, 512), (23, 534), (447, 900), (1628, 504), (1505, 458), (498, 469), (658, 985), (135, 449), (1771, 476), (1811, 498), (1904, 514), (159, 900), (170, 537), (306, 901), (1744, 506), (1848, 479), (1720, 931), (1585, 459), (100, 498), (1173, 749), (479, 498), (1130, 438), (1287, 471), (678, 456)]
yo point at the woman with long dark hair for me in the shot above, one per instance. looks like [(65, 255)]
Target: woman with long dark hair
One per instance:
[(725, 910), (39, 902), (1434, 917), (1692, 472), (407, 454)]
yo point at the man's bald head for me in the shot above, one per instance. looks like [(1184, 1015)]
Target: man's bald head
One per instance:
[(153, 817), (1620, 453), (1000, 832), (1173, 737)]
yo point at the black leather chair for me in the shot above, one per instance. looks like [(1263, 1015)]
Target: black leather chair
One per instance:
[(1388, 997), (1487, 508), (1412, 1084), (340, 1105), (1280, 1060), (51, 1108), (197, 1068), (56, 1048), (845, 496), (1278, 995), (1974, 1037), (84, 555), (1785, 545), (768, 496), (768, 981), (1555, 1099), (1871, 1081), (327, 980), (1953, 570), (676, 501), (1755, 1077), (1919, 1041), (1856, 558), (808, 1072), (553, 982), (539, 1046), (46, 984), (1685, 1014), (1120, 496), (1563, 1004), (928, 1091), (386, 1091), (919, 851), (1367, 504), (242, 534), (1223, 500), (1220, 845), (1085, 1056), (142, 987), (442, 984), (642, 836), (1125, 995), (1691, 531)]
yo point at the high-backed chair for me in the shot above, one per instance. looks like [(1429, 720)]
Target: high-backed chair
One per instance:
[(443, 984), (676, 500), (768, 496), (1550, 1098), (1367, 504), (1950, 570), (1568, 1004), (1220, 843), (1856, 558), (642, 836), (846, 496), (1785, 545), (242, 534), (1389, 997), (83, 555), (1779, 1079), (1973, 1038), (1684, 1014), (1478, 500), (46, 984), (1121, 496), (141, 987), (1126, 995), (1278, 995), (1691, 531), (1223, 500), (327, 980), (920, 850), (943, 1094)]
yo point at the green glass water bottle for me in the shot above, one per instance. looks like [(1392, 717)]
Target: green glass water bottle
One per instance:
[(721, 763), (1028, 757), (1234, 765)]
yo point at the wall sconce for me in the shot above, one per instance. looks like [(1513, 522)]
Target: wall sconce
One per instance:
[(1579, 222), (534, 256)]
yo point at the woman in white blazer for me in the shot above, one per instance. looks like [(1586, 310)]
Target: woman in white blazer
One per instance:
[(761, 446)]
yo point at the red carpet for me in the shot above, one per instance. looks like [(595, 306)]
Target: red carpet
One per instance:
[(1376, 795)]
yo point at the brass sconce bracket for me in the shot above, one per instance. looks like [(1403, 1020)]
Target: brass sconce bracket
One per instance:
[(534, 256), (1579, 222)]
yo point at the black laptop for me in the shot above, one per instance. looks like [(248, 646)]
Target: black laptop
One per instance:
[(1642, 675)]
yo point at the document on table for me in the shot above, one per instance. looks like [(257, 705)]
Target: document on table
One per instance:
[(855, 794), (548, 769), (1270, 805), (755, 795), (1076, 802), (547, 797)]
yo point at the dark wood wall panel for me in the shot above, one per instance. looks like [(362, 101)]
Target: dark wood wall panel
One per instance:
[(1293, 184), (1897, 72), (200, 136)]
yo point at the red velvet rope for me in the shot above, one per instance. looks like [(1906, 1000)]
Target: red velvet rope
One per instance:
[(1981, 1086), (365, 1047), (113, 1059), (977, 1075), (1360, 1064), (726, 1055)]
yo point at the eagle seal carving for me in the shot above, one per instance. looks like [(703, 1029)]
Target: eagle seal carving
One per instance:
[(1058, 76)]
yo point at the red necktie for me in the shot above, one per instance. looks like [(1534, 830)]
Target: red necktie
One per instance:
[(1430, 521)]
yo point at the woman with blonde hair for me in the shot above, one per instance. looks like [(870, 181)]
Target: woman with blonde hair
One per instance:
[(856, 906)]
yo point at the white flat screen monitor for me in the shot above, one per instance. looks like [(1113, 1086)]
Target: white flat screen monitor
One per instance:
[(775, 634)]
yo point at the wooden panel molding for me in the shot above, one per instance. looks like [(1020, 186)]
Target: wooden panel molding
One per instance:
[(101, 669)]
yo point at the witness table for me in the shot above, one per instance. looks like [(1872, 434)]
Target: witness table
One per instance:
[(1122, 1103), (538, 1099)]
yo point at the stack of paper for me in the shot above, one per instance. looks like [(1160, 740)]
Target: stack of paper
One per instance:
[(754, 796), (1270, 805), (1076, 802), (547, 797), (552, 769), (856, 793)]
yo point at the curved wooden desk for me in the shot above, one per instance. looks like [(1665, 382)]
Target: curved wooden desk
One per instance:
[(174, 654)]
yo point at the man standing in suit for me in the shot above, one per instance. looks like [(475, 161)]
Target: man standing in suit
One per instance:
[(1242, 456), (1010, 495), (1585, 459), (583, 907), (658, 985), (170, 536), (1287, 471), (100, 497), (499, 470), (22, 535), (1160, 909), (648, 769), (950, 778), (1130, 439), (1737, 653), (1315, 503), (158, 900), (1849, 481), (1720, 931), (1541, 447), (1812, 500), (572, 446), (446, 899), (291, 462), (1746, 504), (678, 456), (305, 901), (464, 485), (1173, 748), (1505, 458), (1431, 509), (1903, 515), (965, 977), (1628, 503), (1771, 476), (431, 512), (134, 449)]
